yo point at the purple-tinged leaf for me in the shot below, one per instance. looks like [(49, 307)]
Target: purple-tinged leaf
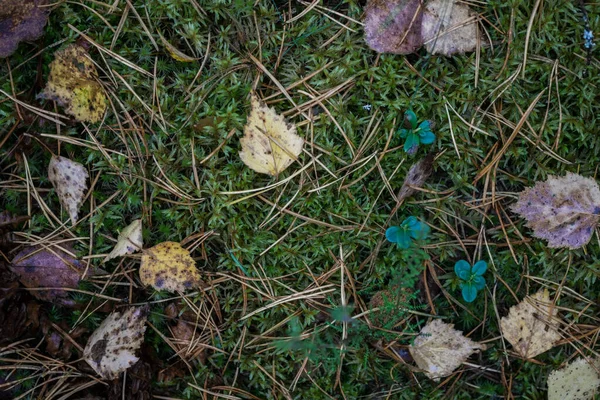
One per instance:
[(20, 20), (394, 26), (562, 210)]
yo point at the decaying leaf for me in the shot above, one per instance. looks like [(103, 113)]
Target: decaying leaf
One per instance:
[(73, 84), (50, 267), (449, 27), (532, 325), (69, 179), (440, 349), (562, 210), (394, 26), (20, 20), (174, 51), (577, 381), (130, 240), (168, 266), (416, 177), (270, 144), (111, 348)]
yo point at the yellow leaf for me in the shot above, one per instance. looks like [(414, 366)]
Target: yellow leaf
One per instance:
[(270, 143), (168, 266), (577, 381), (129, 241), (175, 52), (69, 180), (532, 325), (73, 84)]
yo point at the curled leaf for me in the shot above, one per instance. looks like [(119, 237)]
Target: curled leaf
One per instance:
[(20, 20), (73, 83), (532, 325), (174, 52), (440, 349), (394, 26), (577, 381), (129, 241), (69, 180), (168, 266), (111, 348), (270, 144), (449, 28), (416, 177), (562, 210)]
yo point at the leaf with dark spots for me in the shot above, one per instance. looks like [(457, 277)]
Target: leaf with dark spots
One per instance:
[(47, 267), (20, 20), (394, 26), (416, 177)]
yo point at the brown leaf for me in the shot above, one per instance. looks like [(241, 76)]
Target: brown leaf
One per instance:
[(394, 26), (416, 177), (20, 20), (52, 267)]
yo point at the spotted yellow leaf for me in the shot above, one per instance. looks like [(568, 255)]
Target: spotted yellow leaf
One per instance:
[(69, 180), (532, 325), (73, 84), (168, 266), (270, 144), (129, 241)]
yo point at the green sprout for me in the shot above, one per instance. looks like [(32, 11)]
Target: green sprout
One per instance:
[(471, 279), (411, 228), (415, 134)]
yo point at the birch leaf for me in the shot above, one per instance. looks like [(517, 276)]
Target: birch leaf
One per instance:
[(73, 84), (168, 266), (174, 52), (394, 26), (69, 180), (449, 28), (440, 349), (562, 210), (270, 144), (130, 240), (111, 348), (20, 20), (416, 177), (577, 381), (531, 326)]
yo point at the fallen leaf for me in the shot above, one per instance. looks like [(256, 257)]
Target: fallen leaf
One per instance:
[(270, 143), (52, 267), (577, 381), (440, 349), (8, 224), (129, 241), (69, 179), (73, 84), (416, 177), (174, 51), (394, 26), (111, 348), (562, 210), (20, 20), (449, 28), (168, 266), (531, 326)]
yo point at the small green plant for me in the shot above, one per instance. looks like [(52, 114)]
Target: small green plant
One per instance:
[(410, 229), (471, 279), (414, 133)]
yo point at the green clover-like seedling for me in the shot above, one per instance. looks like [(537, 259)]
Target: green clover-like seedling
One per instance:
[(415, 134), (411, 228), (471, 278)]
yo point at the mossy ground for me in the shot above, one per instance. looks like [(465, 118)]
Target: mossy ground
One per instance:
[(155, 157)]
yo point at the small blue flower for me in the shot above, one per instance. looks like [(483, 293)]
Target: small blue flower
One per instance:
[(471, 279), (410, 229), (415, 134)]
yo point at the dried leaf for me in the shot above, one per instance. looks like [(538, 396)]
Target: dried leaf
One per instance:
[(73, 84), (562, 210), (416, 177), (577, 381), (174, 51), (531, 326), (168, 266), (270, 143), (440, 349), (20, 20), (394, 26), (52, 267), (69, 179), (449, 28), (111, 348), (129, 241)]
